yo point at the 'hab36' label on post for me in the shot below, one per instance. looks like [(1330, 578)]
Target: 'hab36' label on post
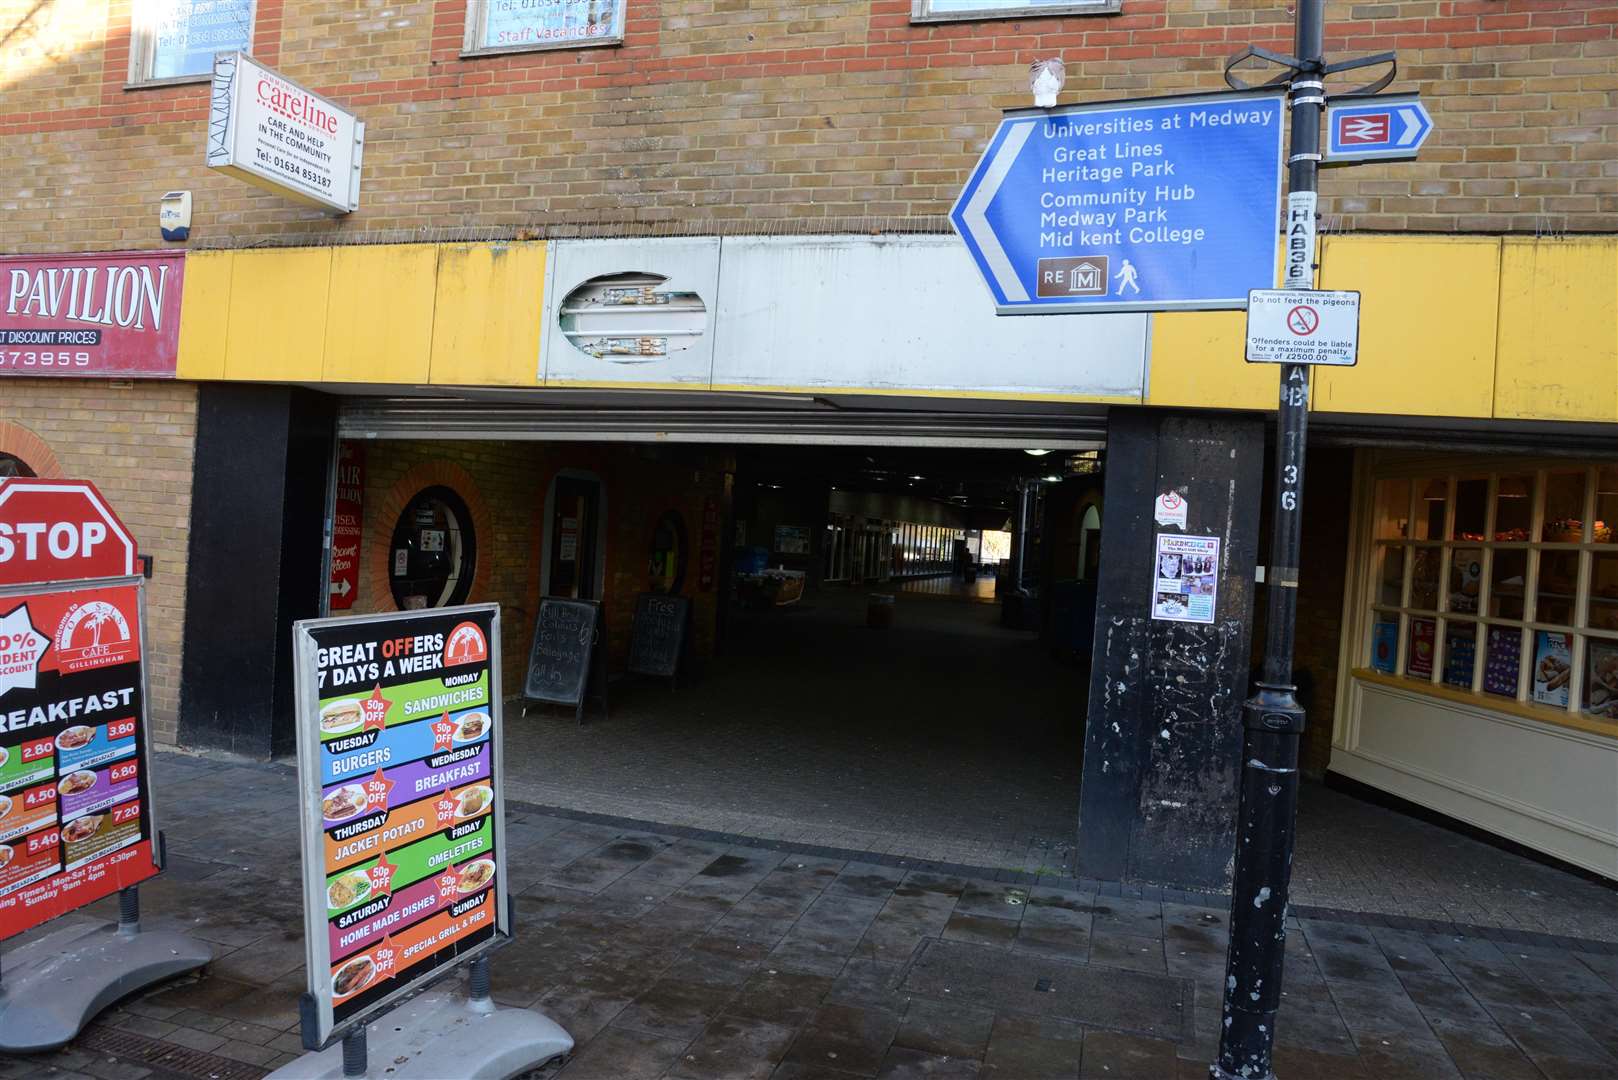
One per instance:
[(1303, 326), (1150, 205)]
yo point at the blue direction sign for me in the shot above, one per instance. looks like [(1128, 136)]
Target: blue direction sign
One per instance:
[(1159, 204), (1387, 128)]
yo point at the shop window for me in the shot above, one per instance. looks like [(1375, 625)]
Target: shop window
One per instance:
[(12, 465), (958, 10), (433, 551), (175, 40), (494, 26), (665, 568), (1502, 584)]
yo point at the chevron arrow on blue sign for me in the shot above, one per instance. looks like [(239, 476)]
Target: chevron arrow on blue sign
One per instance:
[(1391, 127)]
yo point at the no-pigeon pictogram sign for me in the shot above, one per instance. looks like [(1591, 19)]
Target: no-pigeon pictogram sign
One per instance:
[(1303, 326)]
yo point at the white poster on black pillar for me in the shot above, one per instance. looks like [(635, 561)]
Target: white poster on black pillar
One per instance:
[(1185, 585)]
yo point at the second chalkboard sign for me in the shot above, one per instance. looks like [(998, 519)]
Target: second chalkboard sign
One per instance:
[(560, 662), (657, 641)]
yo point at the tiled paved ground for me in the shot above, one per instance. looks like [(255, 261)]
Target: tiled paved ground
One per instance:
[(675, 957), (817, 731)]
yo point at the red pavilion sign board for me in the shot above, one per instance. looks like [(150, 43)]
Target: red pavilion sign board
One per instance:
[(91, 315)]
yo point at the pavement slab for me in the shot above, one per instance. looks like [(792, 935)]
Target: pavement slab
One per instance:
[(672, 955)]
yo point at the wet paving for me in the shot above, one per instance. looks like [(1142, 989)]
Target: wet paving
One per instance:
[(673, 956)]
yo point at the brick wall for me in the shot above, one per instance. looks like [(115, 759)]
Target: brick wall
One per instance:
[(134, 441), (505, 485), (748, 113)]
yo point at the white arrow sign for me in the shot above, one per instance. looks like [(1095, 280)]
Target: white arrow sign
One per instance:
[(976, 221)]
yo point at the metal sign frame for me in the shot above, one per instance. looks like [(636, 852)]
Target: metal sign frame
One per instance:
[(970, 202), (311, 831)]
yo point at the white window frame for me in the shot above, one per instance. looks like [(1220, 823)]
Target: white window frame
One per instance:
[(143, 47), (477, 20), (921, 11)]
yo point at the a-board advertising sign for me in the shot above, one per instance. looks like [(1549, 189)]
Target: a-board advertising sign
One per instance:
[(399, 739), (91, 315), (269, 131), (1303, 326), (75, 780), (1157, 204)]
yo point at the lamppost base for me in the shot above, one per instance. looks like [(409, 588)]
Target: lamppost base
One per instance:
[(1216, 1072)]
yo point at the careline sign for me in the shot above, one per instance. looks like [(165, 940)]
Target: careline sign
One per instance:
[(269, 131)]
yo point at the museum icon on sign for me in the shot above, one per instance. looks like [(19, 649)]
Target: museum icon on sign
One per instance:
[(1083, 275)]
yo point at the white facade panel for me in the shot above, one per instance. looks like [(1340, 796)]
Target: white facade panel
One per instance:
[(586, 339), (1549, 788), (904, 313)]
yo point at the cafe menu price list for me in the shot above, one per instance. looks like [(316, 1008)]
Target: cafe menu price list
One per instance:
[(75, 821), (406, 856)]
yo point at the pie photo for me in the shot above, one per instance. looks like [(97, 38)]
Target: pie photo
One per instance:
[(475, 875), (75, 737), (5, 805), (344, 803), (81, 828), (83, 780), (353, 976), (6, 854)]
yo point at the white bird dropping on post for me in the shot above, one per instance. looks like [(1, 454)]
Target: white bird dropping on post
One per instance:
[(1045, 79)]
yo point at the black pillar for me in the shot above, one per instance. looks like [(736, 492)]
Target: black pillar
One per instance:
[(258, 504), (1164, 733)]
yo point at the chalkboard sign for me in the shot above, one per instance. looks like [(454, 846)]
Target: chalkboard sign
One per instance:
[(658, 639), (564, 642)]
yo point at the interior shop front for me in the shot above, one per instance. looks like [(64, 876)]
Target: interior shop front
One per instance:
[(846, 650), (1481, 645)]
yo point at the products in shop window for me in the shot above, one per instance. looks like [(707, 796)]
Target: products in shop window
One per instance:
[(1601, 690), (1553, 668), (1423, 636), (1500, 661), (1384, 646), (1460, 655)]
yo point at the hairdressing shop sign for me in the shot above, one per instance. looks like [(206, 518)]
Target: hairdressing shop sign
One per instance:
[(269, 131)]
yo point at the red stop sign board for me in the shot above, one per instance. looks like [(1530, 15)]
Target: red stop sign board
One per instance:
[(59, 530)]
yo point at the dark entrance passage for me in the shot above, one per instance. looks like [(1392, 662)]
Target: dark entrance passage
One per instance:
[(900, 665)]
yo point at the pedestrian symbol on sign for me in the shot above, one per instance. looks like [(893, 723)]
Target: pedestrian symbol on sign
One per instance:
[(1303, 320)]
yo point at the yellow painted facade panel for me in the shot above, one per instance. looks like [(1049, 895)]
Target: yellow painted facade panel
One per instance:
[(204, 314), (379, 323), (278, 304), (1427, 325), (1197, 361), (486, 323), (1558, 353)]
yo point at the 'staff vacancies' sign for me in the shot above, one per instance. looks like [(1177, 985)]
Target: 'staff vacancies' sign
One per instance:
[(93, 315), (403, 841), (271, 132)]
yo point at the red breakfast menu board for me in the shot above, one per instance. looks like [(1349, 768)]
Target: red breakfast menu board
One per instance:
[(403, 839), (75, 802)]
